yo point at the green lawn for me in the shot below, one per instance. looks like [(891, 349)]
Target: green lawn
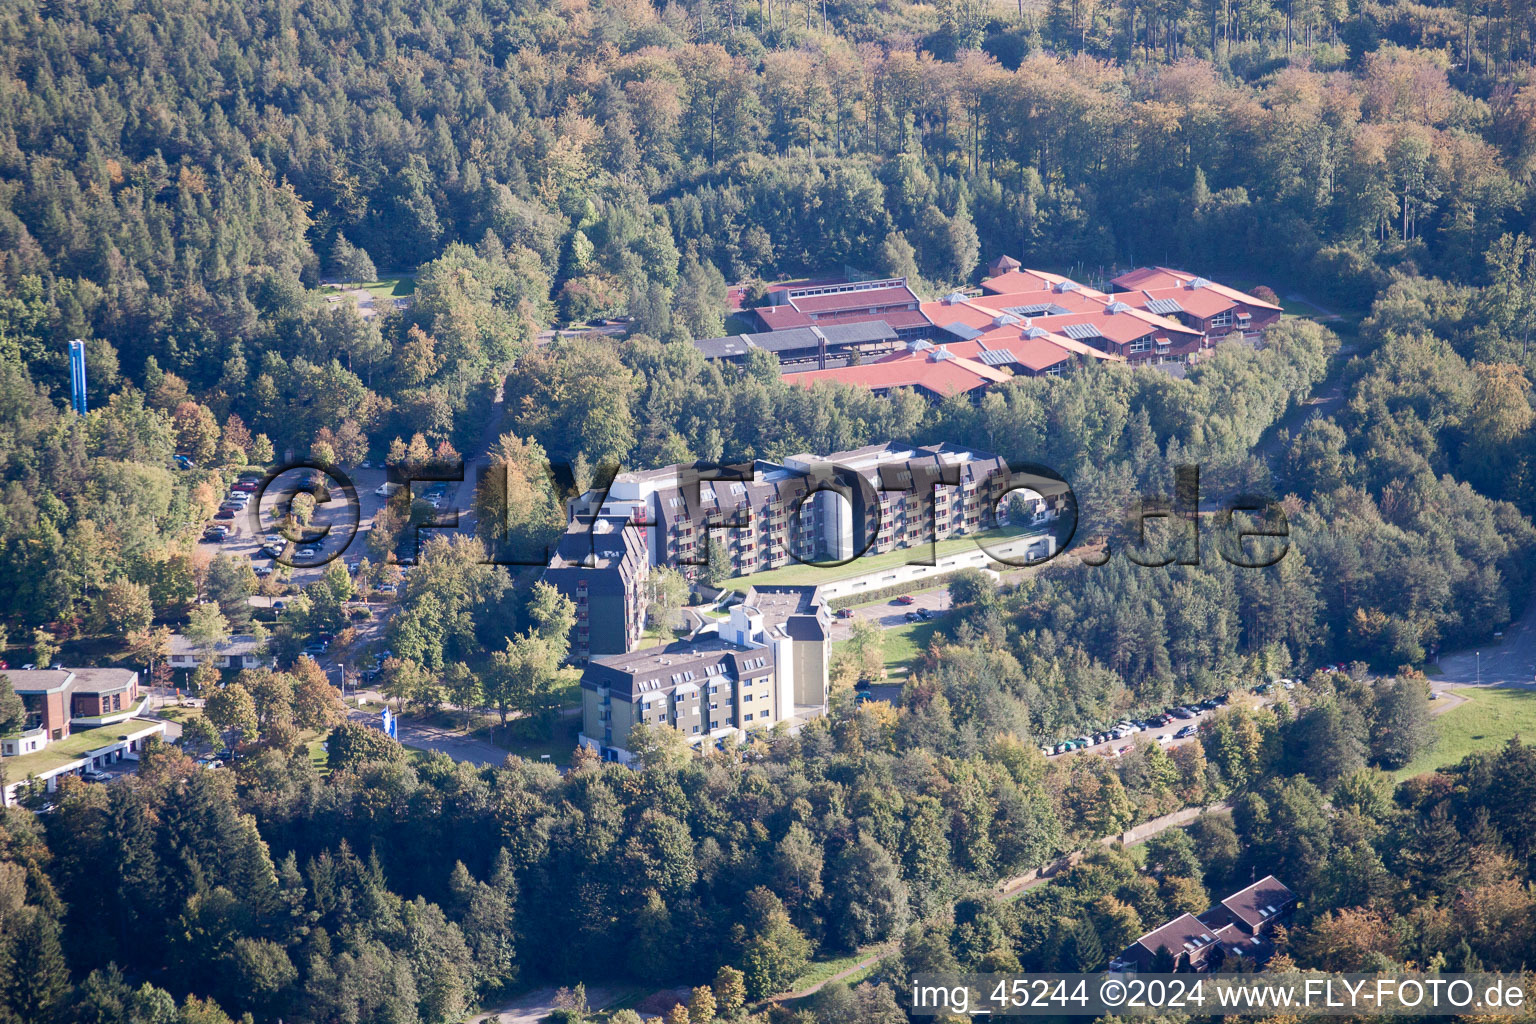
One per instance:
[(904, 644), (527, 741), (799, 573), (1488, 719), (383, 288), (818, 971)]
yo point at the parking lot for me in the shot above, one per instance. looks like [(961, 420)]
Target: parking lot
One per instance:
[(1169, 728), (339, 526), (889, 613)]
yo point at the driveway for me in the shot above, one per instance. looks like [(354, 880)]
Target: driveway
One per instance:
[(431, 737)]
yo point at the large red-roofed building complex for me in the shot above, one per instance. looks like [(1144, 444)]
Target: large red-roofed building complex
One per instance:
[(1211, 308), (836, 303), (878, 335)]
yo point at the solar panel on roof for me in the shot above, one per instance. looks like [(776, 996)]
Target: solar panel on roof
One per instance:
[(997, 357), (1164, 307), (962, 332), (1081, 332)]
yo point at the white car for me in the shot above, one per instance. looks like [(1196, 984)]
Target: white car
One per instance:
[(307, 552)]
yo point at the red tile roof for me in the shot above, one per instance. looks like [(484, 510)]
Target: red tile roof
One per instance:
[(1166, 277), (1148, 277), (922, 369), (1037, 354), (1022, 280), (1199, 302)]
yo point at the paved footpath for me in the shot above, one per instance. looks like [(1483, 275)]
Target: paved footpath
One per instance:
[(1015, 887)]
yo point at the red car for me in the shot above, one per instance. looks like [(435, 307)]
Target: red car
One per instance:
[(845, 613), (246, 486), (905, 599)]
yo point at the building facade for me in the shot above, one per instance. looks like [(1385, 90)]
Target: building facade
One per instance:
[(836, 303), (238, 652), (601, 564), (1239, 927), (765, 665), (59, 700), (808, 508)]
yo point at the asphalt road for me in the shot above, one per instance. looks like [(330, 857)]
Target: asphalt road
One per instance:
[(1510, 661)]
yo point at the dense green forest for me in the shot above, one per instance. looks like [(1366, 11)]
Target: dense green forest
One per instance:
[(177, 181)]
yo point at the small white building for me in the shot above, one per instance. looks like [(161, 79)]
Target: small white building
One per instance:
[(124, 742), (237, 652)]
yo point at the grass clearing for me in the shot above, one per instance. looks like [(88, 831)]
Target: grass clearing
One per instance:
[(800, 574), (1490, 717), (818, 972), (384, 288), (526, 740), (904, 644)]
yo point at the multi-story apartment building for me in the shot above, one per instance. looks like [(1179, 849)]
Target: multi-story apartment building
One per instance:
[(904, 496), (676, 513), (810, 508), (601, 564), (765, 665)]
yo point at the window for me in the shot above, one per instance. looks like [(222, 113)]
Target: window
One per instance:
[(714, 705), (1222, 319), (1142, 344), (695, 728), (746, 698), (746, 718)]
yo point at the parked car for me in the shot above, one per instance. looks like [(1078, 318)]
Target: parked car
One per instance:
[(1164, 739), (262, 571), (845, 613), (911, 616), (90, 774), (267, 551), (388, 588), (224, 513), (924, 614), (245, 487), (1188, 730), (308, 551), (904, 599)]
